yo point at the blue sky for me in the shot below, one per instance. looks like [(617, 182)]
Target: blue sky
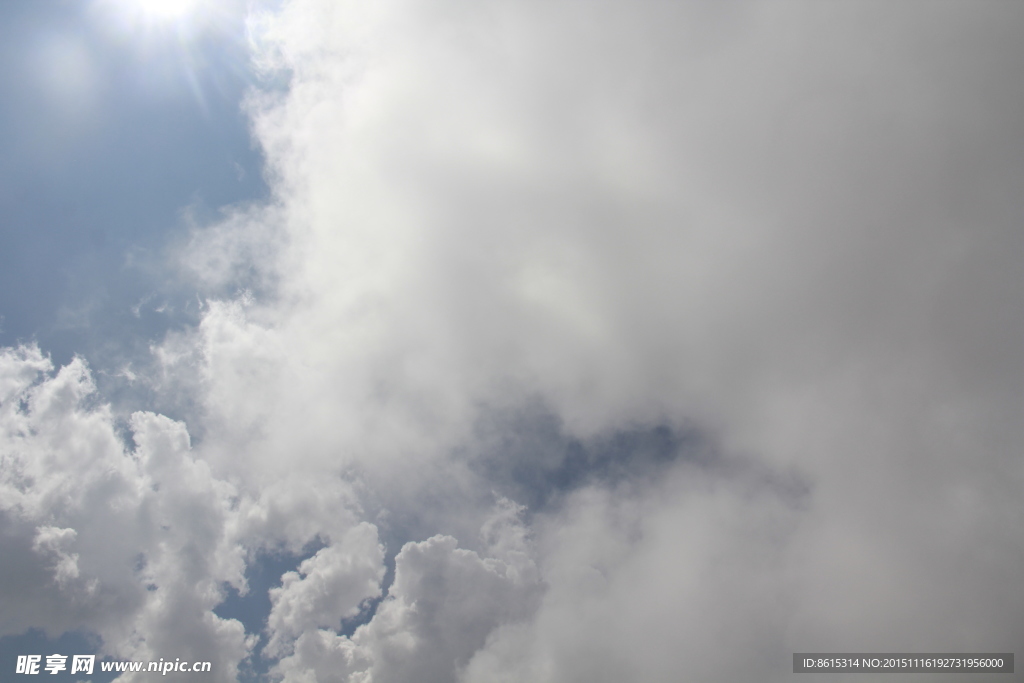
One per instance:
[(100, 178), (533, 342), (97, 177)]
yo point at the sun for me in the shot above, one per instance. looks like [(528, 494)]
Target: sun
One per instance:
[(166, 10), (151, 17)]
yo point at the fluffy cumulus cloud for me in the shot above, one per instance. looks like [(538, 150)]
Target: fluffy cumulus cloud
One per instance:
[(440, 610), (327, 588), (509, 245), (130, 544)]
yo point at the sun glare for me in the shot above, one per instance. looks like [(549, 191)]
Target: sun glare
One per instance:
[(166, 9)]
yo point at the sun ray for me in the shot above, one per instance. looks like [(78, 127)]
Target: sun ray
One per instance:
[(166, 9)]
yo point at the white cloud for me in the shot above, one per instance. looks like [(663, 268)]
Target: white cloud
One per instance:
[(49, 541), (681, 579), (791, 227), (328, 587), (444, 603), (58, 462), (739, 217), (735, 217), (133, 546)]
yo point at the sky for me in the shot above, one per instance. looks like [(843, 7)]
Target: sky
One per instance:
[(515, 342), (114, 129)]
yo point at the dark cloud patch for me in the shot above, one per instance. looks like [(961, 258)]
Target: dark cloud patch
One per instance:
[(527, 455)]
